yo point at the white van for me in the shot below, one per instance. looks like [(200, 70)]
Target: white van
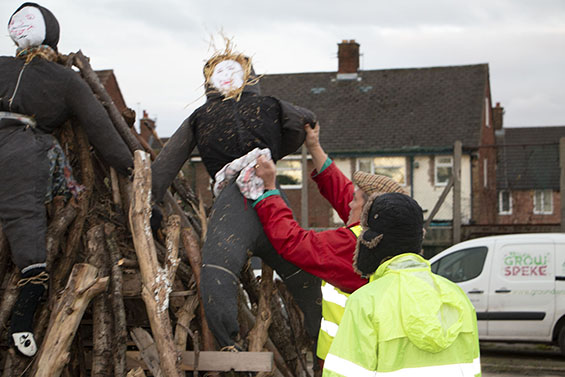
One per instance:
[(516, 283)]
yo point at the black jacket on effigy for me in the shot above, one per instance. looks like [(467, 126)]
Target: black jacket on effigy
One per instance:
[(52, 94), (225, 130)]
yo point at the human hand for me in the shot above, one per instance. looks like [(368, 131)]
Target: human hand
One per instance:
[(312, 135), (267, 171)]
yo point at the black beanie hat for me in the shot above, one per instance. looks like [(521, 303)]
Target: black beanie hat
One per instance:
[(392, 224), (51, 24)]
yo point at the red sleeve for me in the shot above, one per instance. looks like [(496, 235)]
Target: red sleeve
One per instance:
[(336, 188), (328, 254)]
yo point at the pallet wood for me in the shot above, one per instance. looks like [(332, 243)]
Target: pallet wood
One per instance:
[(147, 350), (215, 361)]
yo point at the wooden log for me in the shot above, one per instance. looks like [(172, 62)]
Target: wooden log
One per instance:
[(156, 287), (88, 74), (63, 216), (101, 312), (299, 338), (137, 372), (259, 334), (216, 361), (247, 321), (184, 316), (59, 275), (118, 308), (172, 241), (9, 298), (192, 250), (116, 196), (147, 350), (83, 285)]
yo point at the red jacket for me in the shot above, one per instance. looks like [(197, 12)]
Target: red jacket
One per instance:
[(327, 254)]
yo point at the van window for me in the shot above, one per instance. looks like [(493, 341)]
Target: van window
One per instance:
[(462, 265)]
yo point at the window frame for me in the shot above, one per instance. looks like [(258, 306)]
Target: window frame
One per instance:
[(501, 211), (278, 169), (437, 164), (543, 199), (372, 159)]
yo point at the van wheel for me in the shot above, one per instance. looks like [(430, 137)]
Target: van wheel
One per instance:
[(562, 340)]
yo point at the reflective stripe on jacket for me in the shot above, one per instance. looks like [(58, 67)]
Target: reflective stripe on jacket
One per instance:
[(333, 306), (406, 322)]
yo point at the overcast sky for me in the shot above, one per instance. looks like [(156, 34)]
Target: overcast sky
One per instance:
[(157, 48)]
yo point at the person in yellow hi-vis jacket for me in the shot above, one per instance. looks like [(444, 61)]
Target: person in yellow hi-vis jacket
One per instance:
[(406, 321)]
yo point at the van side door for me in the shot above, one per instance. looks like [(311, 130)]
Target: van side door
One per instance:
[(521, 302), (466, 267)]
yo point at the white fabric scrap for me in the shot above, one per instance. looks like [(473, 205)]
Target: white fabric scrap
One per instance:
[(249, 184)]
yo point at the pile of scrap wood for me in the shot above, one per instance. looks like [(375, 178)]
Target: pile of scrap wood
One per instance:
[(121, 303)]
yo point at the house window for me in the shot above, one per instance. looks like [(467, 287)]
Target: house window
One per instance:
[(543, 202), (392, 167), (504, 202), (289, 173), (443, 170)]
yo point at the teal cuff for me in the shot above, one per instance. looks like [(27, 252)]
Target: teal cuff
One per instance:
[(266, 195), (326, 164)]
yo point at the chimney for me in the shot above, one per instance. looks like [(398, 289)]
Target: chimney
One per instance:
[(497, 116), (348, 59), (146, 127)]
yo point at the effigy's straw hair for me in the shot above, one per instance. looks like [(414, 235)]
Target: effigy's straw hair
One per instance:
[(228, 53)]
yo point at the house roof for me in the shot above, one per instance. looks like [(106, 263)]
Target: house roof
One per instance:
[(528, 158), (392, 110)]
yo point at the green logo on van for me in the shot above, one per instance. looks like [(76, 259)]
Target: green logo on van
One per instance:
[(525, 264)]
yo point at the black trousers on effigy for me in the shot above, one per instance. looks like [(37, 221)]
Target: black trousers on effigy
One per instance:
[(234, 231), (24, 173)]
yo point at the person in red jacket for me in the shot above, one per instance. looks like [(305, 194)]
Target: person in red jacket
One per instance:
[(327, 254)]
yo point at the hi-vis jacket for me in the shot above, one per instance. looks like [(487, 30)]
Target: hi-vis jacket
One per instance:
[(406, 322)]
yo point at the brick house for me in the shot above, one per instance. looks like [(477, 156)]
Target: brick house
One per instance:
[(108, 79), (528, 174)]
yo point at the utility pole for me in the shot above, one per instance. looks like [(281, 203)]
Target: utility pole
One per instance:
[(562, 181), (457, 152)]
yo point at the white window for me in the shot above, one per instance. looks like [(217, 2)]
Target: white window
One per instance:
[(443, 170), (289, 172), (504, 202), (487, 112), (543, 202), (392, 167)]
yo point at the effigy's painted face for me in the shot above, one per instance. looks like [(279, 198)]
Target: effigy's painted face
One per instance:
[(27, 27), (227, 76)]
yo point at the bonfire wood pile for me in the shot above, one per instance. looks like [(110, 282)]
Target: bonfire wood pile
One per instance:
[(123, 304)]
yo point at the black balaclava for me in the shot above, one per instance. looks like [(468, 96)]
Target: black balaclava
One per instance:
[(51, 24), (392, 224)]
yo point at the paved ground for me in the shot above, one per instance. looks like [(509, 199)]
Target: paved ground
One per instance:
[(509, 359)]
